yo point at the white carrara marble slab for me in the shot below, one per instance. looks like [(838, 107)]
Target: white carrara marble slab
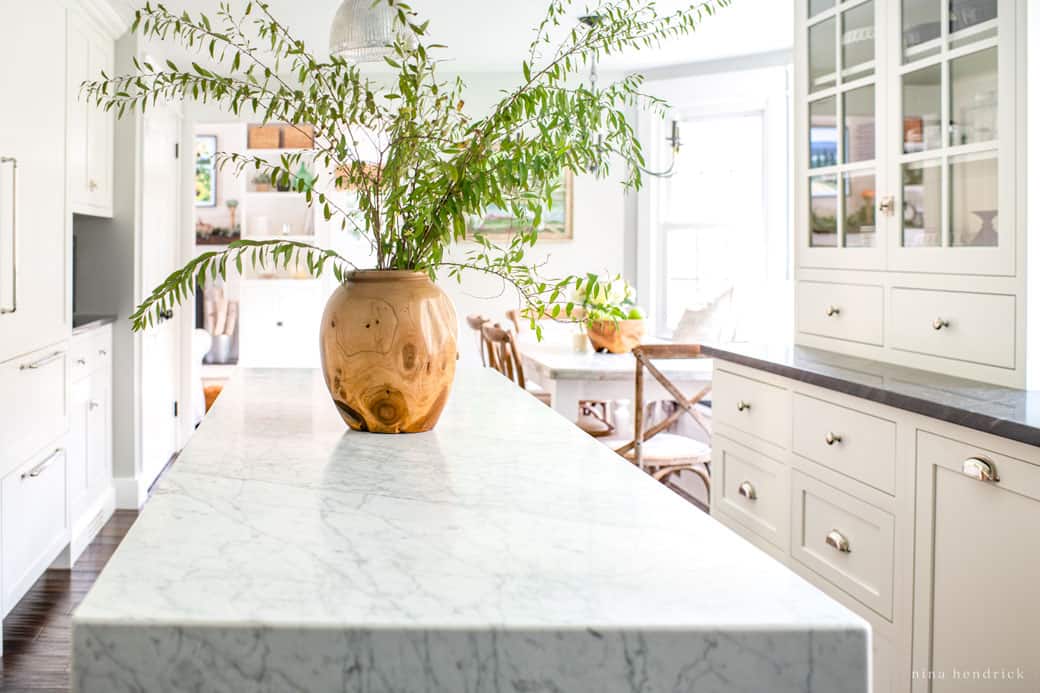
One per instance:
[(505, 551)]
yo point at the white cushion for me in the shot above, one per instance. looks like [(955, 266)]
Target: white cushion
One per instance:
[(710, 322), (665, 449)]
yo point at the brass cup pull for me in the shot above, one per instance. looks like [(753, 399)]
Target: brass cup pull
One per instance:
[(743, 406), (832, 438), (939, 324), (833, 311), (838, 541), (747, 490), (980, 469)]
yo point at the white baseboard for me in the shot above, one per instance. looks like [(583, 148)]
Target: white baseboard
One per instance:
[(131, 493), (86, 527)]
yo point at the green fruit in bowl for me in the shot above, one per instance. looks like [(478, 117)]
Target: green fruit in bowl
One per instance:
[(636, 314)]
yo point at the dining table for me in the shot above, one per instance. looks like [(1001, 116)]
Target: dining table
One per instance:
[(571, 376)]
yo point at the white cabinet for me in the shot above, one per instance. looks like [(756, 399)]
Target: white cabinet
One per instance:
[(978, 562), (91, 495), (34, 253), (90, 136), (280, 323)]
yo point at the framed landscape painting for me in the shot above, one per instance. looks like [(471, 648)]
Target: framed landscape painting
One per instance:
[(557, 222), (205, 170)]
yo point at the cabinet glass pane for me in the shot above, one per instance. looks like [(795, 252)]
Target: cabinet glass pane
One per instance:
[(922, 28), (857, 42), (860, 215), (822, 55), (859, 124), (823, 211), (818, 6), (967, 13), (973, 200), (973, 98), (823, 133), (922, 108), (922, 204)]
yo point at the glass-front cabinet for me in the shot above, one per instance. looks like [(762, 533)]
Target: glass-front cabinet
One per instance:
[(907, 117)]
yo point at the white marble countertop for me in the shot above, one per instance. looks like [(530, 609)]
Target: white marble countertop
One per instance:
[(505, 551), (558, 361)]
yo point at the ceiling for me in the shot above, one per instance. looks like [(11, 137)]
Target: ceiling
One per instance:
[(493, 35)]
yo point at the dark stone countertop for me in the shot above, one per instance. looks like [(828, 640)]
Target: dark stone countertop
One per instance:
[(86, 322), (1000, 411)]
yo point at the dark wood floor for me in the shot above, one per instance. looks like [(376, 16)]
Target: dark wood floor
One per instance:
[(38, 632)]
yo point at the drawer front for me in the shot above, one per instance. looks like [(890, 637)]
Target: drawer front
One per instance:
[(752, 489), (34, 521), (843, 539), (852, 443), (853, 312), (34, 405), (81, 361), (753, 407), (978, 328), (101, 348)]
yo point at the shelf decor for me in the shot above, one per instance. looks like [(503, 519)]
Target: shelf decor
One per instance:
[(205, 170), (432, 168)]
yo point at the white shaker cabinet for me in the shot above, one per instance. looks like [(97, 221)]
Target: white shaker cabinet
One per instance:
[(34, 259), (90, 136)]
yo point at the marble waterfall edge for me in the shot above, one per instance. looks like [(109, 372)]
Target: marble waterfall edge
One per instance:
[(496, 553)]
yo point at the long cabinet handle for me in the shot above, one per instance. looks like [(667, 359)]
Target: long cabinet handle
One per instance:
[(42, 466), (42, 362), (6, 310)]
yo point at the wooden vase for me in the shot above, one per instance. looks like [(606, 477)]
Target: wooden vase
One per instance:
[(616, 337), (389, 344)]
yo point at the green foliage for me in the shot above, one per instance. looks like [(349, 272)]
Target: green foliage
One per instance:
[(434, 167)]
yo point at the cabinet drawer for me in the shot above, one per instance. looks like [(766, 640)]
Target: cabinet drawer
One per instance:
[(853, 312), (752, 489), (843, 539), (90, 352), (34, 521), (978, 328), (858, 445), (34, 406), (755, 408), (101, 348)]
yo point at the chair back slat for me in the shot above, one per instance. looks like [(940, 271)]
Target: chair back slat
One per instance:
[(476, 322), (503, 353)]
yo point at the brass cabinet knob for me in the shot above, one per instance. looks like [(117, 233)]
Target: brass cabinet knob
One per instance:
[(980, 469), (939, 324), (833, 311), (888, 205), (747, 490), (743, 406), (92, 185), (832, 438), (838, 541)]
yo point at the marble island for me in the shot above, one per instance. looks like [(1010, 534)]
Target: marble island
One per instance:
[(505, 551)]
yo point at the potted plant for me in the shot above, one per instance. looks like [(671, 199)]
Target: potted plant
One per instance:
[(262, 182), (388, 334)]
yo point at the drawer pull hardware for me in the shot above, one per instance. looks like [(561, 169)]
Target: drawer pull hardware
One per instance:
[(833, 311), (837, 540), (92, 185), (93, 405), (81, 362), (42, 362), (42, 466), (939, 324), (832, 438), (747, 490), (888, 205), (743, 406), (102, 352), (980, 469)]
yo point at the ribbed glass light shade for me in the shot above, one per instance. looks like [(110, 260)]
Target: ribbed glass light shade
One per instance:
[(360, 32)]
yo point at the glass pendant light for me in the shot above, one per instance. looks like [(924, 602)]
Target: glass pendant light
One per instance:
[(362, 32)]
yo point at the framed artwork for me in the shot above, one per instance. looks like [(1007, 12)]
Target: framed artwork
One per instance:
[(205, 170), (557, 222)]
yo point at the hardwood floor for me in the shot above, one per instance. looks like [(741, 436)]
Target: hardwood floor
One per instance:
[(38, 632)]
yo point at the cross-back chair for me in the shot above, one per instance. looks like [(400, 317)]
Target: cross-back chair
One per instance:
[(476, 323), (503, 355), (662, 454)]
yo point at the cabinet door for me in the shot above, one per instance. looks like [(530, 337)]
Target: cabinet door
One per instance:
[(99, 432), (90, 129), (100, 127), (838, 109), (978, 570), (34, 289), (954, 86), (78, 59), (79, 474)]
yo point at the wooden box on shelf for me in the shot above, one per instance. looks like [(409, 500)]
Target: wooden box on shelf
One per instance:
[(298, 136), (265, 137)]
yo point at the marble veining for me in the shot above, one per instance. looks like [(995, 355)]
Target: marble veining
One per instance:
[(503, 551), (1002, 411)]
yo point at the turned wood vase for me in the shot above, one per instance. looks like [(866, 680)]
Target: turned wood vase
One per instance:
[(616, 337), (389, 344)]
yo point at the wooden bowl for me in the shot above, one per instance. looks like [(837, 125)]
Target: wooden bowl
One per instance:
[(616, 337)]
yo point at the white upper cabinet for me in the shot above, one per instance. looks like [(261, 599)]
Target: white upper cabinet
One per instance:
[(906, 123), (90, 139)]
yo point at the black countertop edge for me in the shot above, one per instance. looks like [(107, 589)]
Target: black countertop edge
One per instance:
[(1016, 428), (86, 323)]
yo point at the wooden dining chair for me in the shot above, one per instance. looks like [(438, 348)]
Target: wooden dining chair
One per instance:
[(476, 323), (504, 356), (662, 454)]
